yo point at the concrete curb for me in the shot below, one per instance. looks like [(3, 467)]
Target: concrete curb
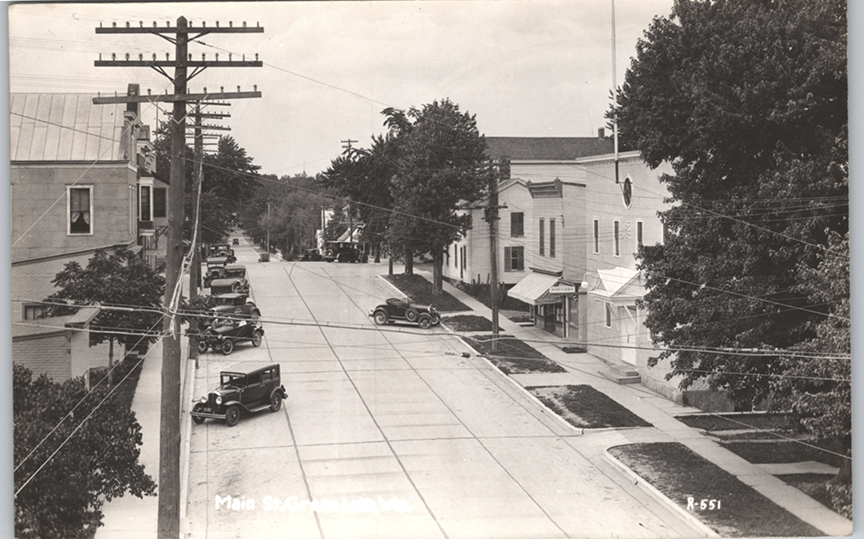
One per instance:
[(543, 408), (393, 286), (659, 496), (186, 442)]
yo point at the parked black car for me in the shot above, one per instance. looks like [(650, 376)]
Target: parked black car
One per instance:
[(311, 255), (224, 334), (231, 278), (236, 305), (395, 309), (250, 387)]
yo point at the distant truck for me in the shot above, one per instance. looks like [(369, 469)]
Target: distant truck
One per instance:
[(343, 251)]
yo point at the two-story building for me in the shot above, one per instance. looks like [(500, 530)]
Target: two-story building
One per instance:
[(76, 186)]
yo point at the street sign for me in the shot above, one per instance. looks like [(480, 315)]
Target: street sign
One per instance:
[(563, 289)]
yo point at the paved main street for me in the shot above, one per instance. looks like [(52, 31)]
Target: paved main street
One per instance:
[(393, 414)]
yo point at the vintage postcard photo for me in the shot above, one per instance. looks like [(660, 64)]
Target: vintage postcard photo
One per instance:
[(430, 269)]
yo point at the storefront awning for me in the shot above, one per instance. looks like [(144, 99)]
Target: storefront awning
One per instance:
[(532, 287)]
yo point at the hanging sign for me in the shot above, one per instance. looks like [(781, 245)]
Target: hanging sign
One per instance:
[(563, 289)]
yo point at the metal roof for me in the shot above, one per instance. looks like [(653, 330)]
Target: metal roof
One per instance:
[(546, 148), (64, 127)]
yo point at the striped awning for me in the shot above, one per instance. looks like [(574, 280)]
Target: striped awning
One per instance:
[(532, 287)]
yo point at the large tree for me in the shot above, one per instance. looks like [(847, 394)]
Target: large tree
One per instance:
[(747, 99), (363, 176), (60, 488), (120, 279), (441, 165)]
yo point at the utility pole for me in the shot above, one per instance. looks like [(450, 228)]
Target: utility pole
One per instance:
[(180, 35), (347, 147), (492, 219), (268, 229)]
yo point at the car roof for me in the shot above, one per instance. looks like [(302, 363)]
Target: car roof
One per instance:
[(248, 367), (220, 282), (235, 267), (231, 295)]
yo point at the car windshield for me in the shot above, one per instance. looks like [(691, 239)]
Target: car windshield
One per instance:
[(228, 300), (235, 273), (232, 379), (222, 322)]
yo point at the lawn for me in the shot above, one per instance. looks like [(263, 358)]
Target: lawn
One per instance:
[(513, 356), (781, 451), (584, 407), (712, 422), (468, 322), (684, 476), (419, 290)]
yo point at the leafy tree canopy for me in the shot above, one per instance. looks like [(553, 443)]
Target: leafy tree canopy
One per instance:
[(747, 99), (97, 464)]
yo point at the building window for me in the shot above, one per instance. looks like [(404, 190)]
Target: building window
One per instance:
[(464, 264), (80, 210), (517, 224), (514, 258), (552, 238), (596, 236), (456, 257), (607, 319), (627, 192), (160, 202), (638, 235), (616, 238), (542, 237), (144, 208), (33, 311)]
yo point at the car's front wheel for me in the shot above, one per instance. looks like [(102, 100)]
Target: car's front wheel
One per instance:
[(380, 318), (198, 408), (227, 346), (202, 346), (232, 415), (256, 339), (275, 402), (425, 321)]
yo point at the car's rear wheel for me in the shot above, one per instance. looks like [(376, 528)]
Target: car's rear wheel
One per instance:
[(275, 401), (411, 315), (256, 339), (198, 408), (202, 346), (380, 318), (227, 346), (425, 321), (232, 415)]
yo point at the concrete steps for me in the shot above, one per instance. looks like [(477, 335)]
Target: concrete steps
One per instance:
[(621, 374)]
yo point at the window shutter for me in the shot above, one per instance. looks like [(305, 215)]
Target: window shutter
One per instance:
[(507, 259)]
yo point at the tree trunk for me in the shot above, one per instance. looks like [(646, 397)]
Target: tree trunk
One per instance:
[(110, 362), (409, 261), (844, 475), (437, 271), (377, 252)]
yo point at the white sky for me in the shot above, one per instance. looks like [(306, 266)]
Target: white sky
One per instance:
[(524, 67)]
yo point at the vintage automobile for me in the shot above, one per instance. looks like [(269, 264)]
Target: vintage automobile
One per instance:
[(249, 387), (235, 305), (231, 278), (311, 255), (224, 334), (223, 250), (395, 309), (235, 241)]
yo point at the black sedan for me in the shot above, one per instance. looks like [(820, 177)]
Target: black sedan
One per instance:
[(395, 309)]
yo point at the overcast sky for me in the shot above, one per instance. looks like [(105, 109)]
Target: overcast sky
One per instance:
[(523, 67)]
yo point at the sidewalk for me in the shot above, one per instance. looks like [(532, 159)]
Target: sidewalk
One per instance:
[(660, 412), (136, 518)]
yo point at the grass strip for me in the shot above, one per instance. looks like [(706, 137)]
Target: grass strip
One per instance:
[(513, 356), (734, 421), (468, 322), (419, 289), (687, 479), (781, 451), (584, 407)]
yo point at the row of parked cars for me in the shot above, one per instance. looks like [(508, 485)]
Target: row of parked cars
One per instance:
[(235, 318), (248, 386)]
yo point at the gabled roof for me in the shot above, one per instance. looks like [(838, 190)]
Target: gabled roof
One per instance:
[(65, 127), (546, 148)]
